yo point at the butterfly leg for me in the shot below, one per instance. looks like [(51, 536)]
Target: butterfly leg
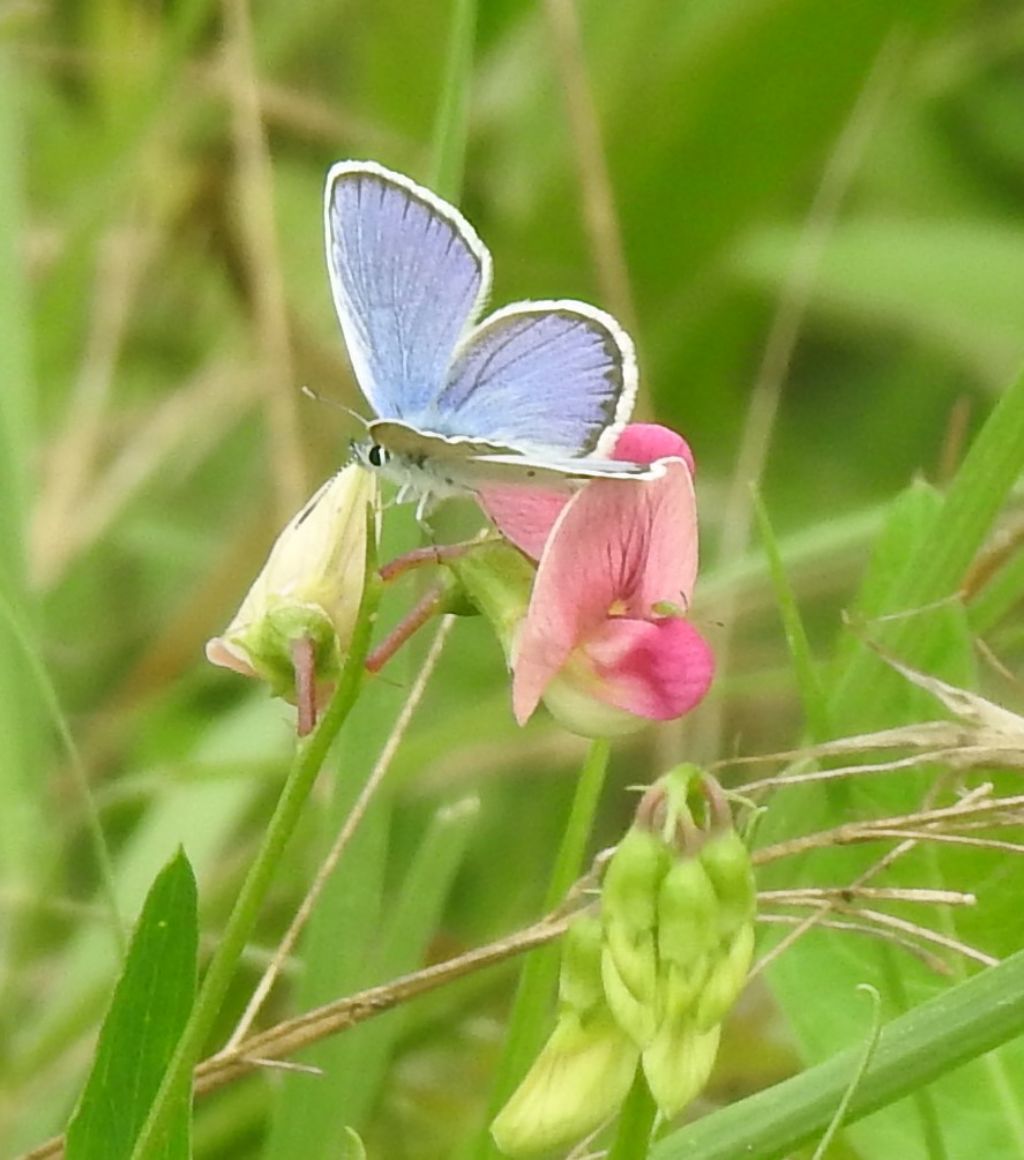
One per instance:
[(424, 509)]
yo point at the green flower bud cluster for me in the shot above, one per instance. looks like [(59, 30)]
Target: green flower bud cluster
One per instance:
[(650, 979)]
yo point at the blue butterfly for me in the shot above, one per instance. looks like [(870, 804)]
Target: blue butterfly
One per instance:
[(535, 394)]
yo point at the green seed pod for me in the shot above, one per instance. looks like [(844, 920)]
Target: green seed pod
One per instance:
[(679, 987), (629, 893)]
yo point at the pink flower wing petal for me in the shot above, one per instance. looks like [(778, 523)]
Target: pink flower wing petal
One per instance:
[(669, 569), (222, 652), (523, 515), (647, 442), (526, 515), (657, 669)]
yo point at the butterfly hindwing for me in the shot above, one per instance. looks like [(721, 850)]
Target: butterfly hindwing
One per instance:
[(546, 378), (408, 274)]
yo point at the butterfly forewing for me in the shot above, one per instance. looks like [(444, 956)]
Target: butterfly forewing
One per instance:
[(408, 274), (546, 378)]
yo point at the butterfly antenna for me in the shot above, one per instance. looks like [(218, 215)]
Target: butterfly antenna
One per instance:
[(318, 398)]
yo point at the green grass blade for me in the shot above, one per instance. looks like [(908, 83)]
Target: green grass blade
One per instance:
[(956, 1026), (922, 555), (151, 1004), (999, 597), (21, 741), (812, 695)]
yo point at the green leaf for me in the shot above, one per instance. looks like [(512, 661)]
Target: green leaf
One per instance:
[(959, 286), (942, 1034), (151, 1004)]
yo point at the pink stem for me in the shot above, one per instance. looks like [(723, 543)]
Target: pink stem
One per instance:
[(303, 659), (429, 606), (434, 554)]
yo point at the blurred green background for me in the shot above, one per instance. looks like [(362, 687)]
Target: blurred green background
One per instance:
[(163, 296)]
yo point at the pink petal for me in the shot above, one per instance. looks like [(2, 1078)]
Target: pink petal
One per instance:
[(526, 515), (619, 547), (659, 669), (523, 515), (647, 442), (221, 652)]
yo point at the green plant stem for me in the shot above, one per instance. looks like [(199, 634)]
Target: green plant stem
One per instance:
[(941, 1034), (309, 757), (530, 1018), (636, 1122), (451, 123)]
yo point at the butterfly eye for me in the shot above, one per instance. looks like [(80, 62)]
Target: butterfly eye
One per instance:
[(377, 456)]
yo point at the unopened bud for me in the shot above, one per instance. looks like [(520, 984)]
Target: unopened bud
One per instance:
[(629, 901), (726, 979), (678, 1063), (309, 590)]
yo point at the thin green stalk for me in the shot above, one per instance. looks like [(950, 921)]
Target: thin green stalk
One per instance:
[(821, 1152), (451, 124), (309, 757), (636, 1122), (530, 1020), (811, 693), (22, 739)]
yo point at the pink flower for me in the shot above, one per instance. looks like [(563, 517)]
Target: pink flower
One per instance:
[(604, 641)]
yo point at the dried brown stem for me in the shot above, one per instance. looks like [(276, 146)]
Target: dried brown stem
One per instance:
[(801, 896), (803, 925)]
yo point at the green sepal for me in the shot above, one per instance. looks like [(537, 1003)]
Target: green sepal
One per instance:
[(497, 580), (269, 642)]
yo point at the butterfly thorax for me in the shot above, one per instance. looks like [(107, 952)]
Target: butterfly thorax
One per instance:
[(415, 473)]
